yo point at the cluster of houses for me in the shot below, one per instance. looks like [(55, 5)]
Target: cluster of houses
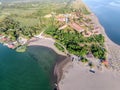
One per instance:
[(95, 31), (66, 19), (6, 41), (12, 44)]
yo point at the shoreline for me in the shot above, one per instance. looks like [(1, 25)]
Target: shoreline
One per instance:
[(72, 79), (113, 52), (113, 49), (62, 67), (47, 42), (61, 61)]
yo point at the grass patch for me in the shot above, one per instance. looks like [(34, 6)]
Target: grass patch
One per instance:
[(59, 47)]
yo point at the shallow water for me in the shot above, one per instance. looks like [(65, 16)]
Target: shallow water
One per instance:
[(108, 12), (26, 71)]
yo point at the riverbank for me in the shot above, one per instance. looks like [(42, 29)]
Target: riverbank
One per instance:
[(76, 76)]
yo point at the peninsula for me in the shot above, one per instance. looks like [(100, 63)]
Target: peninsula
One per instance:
[(72, 30)]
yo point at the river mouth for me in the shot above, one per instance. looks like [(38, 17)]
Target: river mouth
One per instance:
[(31, 70)]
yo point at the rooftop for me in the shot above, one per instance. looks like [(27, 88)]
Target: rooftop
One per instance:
[(76, 27)]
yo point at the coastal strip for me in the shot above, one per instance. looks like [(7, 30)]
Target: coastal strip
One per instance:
[(113, 49), (76, 76), (62, 60), (65, 68)]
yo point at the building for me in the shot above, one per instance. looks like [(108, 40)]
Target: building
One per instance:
[(4, 39), (87, 34), (76, 27), (63, 17), (48, 16), (96, 30), (22, 40), (63, 27), (11, 46)]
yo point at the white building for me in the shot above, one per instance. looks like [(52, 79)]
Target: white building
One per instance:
[(22, 40)]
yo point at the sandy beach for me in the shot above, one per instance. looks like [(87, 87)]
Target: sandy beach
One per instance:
[(47, 42), (61, 61), (113, 50), (76, 76)]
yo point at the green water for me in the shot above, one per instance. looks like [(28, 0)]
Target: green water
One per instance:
[(26, 71)]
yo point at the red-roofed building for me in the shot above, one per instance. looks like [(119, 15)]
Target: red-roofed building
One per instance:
[(87, 34), (76, 27), (63, 27), (4, 39), (61, 19), (97, 28), (11, 46)]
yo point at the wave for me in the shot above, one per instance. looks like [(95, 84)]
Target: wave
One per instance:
[(115, 4)]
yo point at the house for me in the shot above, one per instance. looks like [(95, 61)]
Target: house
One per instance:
[(11, 46), (76, 27), (63, 27), (1, 36), (96, 30), (48, 16), (87, 34), (22, 40), (4, 39), (61, 17)]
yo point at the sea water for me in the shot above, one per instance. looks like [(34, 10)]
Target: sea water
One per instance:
[(108, 12), (30, 70)]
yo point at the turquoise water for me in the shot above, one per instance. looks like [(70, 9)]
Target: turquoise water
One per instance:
[(26, 71), (108, 12)]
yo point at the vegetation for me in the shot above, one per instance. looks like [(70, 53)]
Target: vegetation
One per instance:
[(59, 47), (84, 10), (13, 29), (91, 64), (98, 51), (21, 48), (77, 44), (84, 60), (31, 21)]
